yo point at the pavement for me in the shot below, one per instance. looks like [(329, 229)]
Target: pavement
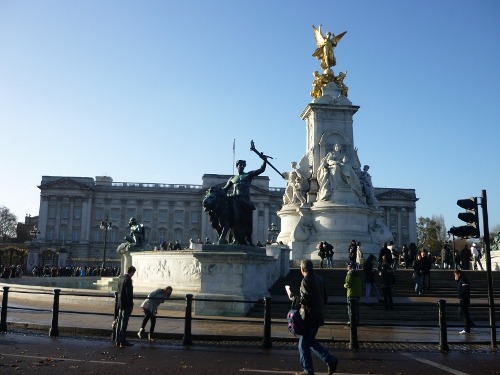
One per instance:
[(87, 316)]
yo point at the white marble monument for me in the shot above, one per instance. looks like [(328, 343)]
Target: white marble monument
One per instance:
[(329, 197)]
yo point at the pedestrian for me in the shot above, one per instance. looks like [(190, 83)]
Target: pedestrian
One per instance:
[(445, 256), (321, 253), (352, 249), (384, 251), (418, 274), (465, 258), (329, 254), (125, 307), (413, 253), (406, 256), (312, 299), (477, 255), (359, 257), (395, 256), (426, 265), (150, 308), (369, 272), (388, 280), (353, 284), (464, 299)]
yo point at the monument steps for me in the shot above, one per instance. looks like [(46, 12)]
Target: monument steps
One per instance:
[(442, 287)]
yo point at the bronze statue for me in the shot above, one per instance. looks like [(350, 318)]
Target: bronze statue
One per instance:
[(137, 233), (233, 213), (325, 46)]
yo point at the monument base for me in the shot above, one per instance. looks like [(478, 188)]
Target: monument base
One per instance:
[(219, 272)]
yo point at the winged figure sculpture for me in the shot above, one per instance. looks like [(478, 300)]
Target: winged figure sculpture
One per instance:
[(325, 46)]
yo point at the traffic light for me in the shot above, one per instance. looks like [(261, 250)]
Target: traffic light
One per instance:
[(470, 216)]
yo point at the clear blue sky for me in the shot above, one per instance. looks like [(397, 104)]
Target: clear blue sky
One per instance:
[(156, 91)]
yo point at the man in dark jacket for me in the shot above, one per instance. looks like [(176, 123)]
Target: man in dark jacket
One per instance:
[(464, 299), (125, 306), (384, 251), (312, 299)]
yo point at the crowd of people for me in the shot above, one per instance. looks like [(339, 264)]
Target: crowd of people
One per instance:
[(75, 271), (8, 272)]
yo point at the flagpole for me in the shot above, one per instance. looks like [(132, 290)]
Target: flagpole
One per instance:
[(234, 152)]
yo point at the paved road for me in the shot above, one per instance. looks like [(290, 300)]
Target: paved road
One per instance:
[(29, 353)]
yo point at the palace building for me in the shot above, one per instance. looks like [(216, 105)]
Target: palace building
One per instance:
[(72, 209)]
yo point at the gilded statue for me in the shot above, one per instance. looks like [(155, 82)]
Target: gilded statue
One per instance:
[(339, 80), (325, 46)]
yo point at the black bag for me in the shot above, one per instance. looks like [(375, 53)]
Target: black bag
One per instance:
[(295, 322)]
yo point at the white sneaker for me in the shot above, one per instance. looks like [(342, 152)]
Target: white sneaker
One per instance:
[(463, 332)]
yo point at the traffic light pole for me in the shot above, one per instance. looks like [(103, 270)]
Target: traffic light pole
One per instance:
[(486, 238)]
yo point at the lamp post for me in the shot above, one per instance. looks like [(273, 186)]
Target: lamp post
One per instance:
[(273, 229), (105, 226)]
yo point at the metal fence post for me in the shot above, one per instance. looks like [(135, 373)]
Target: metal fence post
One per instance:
[(188, 338), (443, 334), (353, 337), (5, 300), (266, 343), (54, 328)]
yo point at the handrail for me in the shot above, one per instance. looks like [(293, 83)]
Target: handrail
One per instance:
[(441, 320)]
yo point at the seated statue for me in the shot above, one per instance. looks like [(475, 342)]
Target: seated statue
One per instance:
[(335, 172)]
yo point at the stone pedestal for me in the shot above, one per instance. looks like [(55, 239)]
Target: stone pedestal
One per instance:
[(225, 273), (337, 209)]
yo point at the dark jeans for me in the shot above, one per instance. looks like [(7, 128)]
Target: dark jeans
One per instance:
[(122, 324), (149, 315), (464, 313), (308, 342), (387, 292)]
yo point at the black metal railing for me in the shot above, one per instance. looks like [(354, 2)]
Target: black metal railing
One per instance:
[(268, 322)]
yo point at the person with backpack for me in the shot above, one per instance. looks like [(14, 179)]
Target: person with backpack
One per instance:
[(312, 299)]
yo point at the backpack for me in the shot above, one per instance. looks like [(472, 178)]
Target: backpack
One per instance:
[(295, 322)]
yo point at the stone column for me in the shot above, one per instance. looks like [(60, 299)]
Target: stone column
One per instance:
[(42, 218)]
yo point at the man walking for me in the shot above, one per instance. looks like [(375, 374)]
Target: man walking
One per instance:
[(464, 299), (125, 307), (312, 300)]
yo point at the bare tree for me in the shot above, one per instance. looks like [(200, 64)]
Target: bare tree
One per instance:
[(8, 222), (431, 232)]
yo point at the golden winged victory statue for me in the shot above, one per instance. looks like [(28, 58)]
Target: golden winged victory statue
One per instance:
[(325, 46)]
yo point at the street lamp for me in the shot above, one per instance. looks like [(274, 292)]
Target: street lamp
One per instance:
[(105, 226), (273, 229)]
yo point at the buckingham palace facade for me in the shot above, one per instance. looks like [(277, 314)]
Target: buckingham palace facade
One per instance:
[(72, 209)]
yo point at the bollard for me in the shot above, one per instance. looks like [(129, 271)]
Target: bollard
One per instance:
[(54, 328), (266, 343), (443, 335), (5, 300), (114, 325), (188, 338), (353, 338)]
